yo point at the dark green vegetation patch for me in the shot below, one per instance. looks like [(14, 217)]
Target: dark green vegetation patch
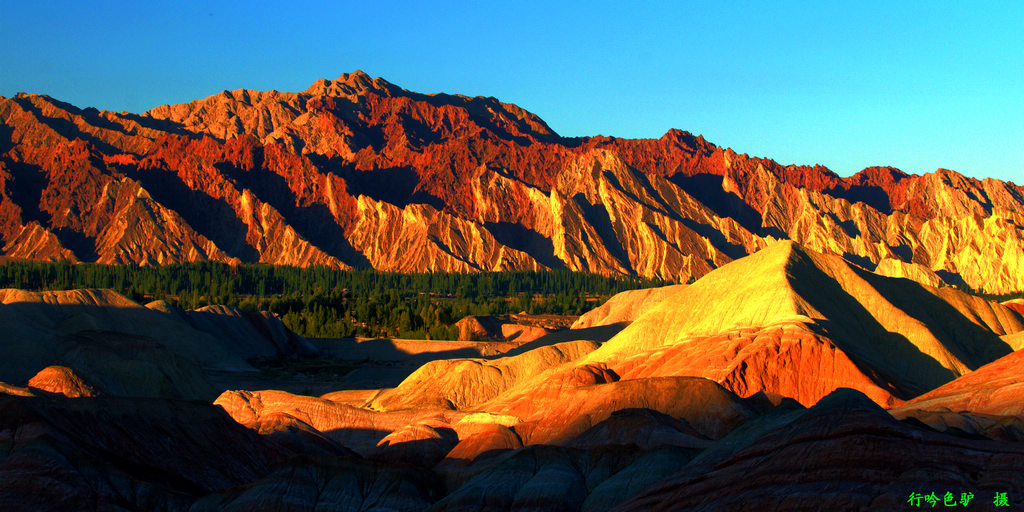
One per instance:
[(324, 302)]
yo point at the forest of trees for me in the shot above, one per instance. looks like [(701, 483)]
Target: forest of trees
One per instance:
[(324, 302)]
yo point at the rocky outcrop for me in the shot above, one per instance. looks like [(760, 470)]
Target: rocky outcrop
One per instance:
[(355, 428), (61, 380)]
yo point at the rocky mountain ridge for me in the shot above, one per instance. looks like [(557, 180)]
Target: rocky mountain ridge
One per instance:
[(349, 171)]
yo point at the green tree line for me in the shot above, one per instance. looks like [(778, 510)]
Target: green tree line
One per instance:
[(325, 302)]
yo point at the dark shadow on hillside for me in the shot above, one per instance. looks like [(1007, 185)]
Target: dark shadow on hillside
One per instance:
[(861, 261), (335, 164), (872, 347), (452, 254), (26, 190), (499, 477), (849, 324), (81, 245), (481, 110), (6, 138), (322, 483), (597, 216), (423, 453), (400, 186), (165, 125), (772, 231), (707, 188), (94, 117), (175, 449), (377, 376), (599, 333), (383, 350), (26, 187), (849, 227), (139, 351), (968, 341), (526, 240), (952, 279), (65, 128), (903, 252), (210, 217), (873, 196), (393, 185), (734, 251), (313, 222), (716, 238)]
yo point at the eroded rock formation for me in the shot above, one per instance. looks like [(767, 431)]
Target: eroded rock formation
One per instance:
[(351, 170)]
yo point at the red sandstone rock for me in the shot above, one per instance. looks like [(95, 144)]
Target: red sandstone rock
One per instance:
[(61, 380)]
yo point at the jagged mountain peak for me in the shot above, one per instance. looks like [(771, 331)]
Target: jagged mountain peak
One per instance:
[(352, 84), (883, 176)]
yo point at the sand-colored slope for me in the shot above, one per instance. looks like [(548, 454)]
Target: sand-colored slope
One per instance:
[(793, 359), (750, 292), (996, 388), (787, 321), (559, 413), (462, 383), (624, 307), (799, 323), (354, 428)]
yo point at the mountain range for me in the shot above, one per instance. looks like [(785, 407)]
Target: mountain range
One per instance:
[(358, 172), (824, 347)]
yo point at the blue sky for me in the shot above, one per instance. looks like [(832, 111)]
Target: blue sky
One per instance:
[(916, 85)]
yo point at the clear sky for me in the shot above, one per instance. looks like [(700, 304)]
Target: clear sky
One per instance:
[(916, 85)]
